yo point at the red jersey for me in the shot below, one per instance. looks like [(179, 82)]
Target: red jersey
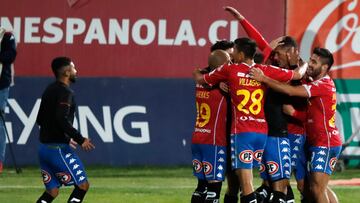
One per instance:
[(247, 95), (211, 108), (295, 125), (320, 124)]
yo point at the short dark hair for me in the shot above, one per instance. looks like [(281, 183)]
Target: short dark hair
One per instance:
[(258, 57), (222, 44), (326, 56), (247, 46), (58, 63), (288, 42)]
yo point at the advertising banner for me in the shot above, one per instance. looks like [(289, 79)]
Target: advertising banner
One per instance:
[(152, 127), (135, 62), (126, 39), (335, 26)]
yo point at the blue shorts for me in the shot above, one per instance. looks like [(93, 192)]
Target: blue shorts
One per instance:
[(298, 158), (209, 161), (323, 159), (276, 159), (247, 150), (60, 166)]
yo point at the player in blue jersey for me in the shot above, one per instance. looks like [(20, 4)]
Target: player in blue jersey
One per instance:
[(58, 162)]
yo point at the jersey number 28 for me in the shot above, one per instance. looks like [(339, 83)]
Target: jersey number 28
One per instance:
[(255, 97)]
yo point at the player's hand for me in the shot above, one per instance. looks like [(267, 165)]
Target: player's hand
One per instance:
[(234, 12), (293, 56), (87, 145), (224, 87), (288, 109), (197, 75), (256, 74), (276, 42), (73, 144)]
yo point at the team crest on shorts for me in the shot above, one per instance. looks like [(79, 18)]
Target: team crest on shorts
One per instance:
[(46, 176), (332, 163), (207, 167), (272, 167), (258, 154), (246, 156), (197, 165), (64, 177)]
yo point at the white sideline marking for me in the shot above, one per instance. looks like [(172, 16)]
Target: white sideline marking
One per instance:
[(135, 187)]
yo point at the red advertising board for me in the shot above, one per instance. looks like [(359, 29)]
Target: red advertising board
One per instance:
[(331, 24), (129, 38)]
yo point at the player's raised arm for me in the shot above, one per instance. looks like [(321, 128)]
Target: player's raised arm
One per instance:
[(257, 74), (251, 31)]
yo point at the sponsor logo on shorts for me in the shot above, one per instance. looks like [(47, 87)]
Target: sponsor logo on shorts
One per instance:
[(321, 152), (207, 167), (298, 141), (197, 165), (258, 154), (332, 163), (64, 177), (286, 157), (320, 159), (272, 167), (319, 167), (81, 178), (46, 176), (285, 149), (246, 156), (284, 142), (76, 166), (261, 168), (78, 172)]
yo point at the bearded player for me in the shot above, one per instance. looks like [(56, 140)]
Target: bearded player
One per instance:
[(322, 135)]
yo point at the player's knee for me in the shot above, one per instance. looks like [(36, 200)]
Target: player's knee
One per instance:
[(53, 192), (317, 188), (84, 186)]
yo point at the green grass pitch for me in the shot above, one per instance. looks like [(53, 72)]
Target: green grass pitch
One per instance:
[(134, 185)]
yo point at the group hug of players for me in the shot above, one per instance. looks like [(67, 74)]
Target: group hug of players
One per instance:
[(277, 114)]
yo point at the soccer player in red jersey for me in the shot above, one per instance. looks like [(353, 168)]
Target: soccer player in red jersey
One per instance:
[(209, 137), (284, 54), (249, 127), (322, 134)]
